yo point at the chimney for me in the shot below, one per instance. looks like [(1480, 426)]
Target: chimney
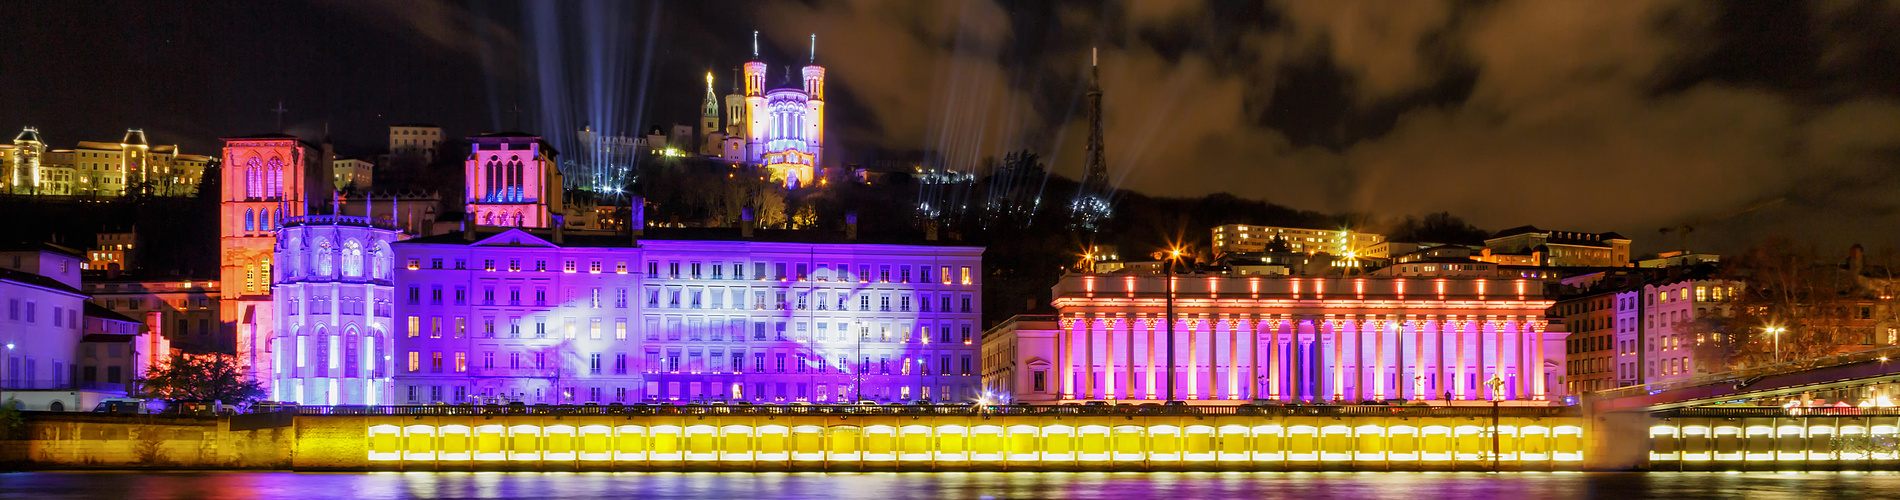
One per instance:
[(560, 231), (468, 227), (1854, 259), (930, 231), (851, 225), (637, 216), (745, 222)]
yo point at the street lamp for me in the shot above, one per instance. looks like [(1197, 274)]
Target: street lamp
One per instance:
[(1776, 331), (1173, 255)]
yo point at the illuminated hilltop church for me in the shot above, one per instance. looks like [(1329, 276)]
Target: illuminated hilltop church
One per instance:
[(780, 127)]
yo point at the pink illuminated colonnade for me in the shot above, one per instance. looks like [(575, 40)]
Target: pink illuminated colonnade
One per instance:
[(1302, 339)]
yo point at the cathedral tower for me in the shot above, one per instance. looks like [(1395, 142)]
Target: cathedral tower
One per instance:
[(267, 178)]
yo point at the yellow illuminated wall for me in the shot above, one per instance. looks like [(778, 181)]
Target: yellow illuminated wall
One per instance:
[(973, 440)]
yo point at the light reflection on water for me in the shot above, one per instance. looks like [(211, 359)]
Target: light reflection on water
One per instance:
[(973, 485)]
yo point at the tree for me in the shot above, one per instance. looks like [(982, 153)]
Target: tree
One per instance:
[(1816, 309), (201, 376)]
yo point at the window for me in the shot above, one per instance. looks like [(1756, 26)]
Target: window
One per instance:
[(965, 273)]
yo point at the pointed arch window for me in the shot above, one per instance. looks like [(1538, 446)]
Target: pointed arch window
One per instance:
[(250, 220), (253, 183), (380, 261), (275, 186), (493, 176), (352, 259), (325, 258)]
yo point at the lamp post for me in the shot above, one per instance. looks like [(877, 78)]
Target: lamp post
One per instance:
[(1776, 331), (1174, 255), (3, 380)]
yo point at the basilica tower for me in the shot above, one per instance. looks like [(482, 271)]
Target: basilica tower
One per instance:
[(710, 135), (755, 104), (815, 106)]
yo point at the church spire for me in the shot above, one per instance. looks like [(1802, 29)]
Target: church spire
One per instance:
[(755, 45), (814, 49), (711, 106)]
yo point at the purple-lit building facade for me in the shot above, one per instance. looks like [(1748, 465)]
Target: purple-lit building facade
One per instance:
[(683, 315), (334, 300)]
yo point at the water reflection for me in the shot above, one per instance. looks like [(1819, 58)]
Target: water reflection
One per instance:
[(893, 486)]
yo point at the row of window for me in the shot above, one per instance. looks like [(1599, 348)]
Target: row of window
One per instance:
[(694, 392), (670, 363), (695, 329), (699, 298), (779, 271), (29, 312)]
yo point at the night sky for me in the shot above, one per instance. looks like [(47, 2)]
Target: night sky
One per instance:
[(1620, 116)]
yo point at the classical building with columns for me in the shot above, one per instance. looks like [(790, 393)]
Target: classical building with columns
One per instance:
[(1282, 338)]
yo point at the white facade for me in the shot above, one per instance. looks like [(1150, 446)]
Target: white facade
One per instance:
[(594, 318), (334, 304), (40, 327), (1242, 238)]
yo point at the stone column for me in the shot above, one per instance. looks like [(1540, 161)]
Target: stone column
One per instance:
[(1339, 358), (1378, 358), (1537, 344), (1065, 388), (1088, 356), (1273, 358), (1458, 376), (1149, 388), (1236, 325), (1193, 345), (1108, 355)]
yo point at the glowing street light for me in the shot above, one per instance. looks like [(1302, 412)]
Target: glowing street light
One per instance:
[(1776, 331)]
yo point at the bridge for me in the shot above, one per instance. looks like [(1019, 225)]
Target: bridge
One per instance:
[(1830, 413), (1833, 375)]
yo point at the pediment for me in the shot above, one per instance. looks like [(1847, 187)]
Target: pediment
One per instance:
[(514, 237)]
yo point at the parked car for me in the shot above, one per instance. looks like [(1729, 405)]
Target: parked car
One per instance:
[(120, 406)]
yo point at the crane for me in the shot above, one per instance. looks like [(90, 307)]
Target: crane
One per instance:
[(1682, 231)]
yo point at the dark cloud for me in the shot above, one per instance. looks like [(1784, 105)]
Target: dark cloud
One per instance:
[(1626, 116)]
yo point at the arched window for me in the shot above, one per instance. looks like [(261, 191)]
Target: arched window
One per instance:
[(275, 186), (250, 220), (253, 178), (517, 219), (278, 215), (324, 258), (514, 178), (380, 261), (250, 278), (350, 362), (264, 272), (263, 220), (491, 175), (352, 258), (292, 253)]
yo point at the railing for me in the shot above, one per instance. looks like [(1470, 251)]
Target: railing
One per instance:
[(1750, 375), (962, 410), (345, 220), (1774, 411), (60, 385)]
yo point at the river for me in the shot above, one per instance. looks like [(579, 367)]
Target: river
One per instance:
[(975, 485)]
